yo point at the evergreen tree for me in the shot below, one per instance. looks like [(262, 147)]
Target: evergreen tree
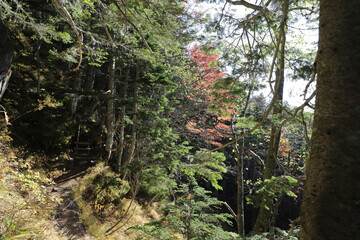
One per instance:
[(192, 214)]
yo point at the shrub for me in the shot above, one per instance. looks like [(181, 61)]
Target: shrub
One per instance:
[(193, 214)]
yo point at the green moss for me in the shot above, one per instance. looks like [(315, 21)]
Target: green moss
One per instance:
[(93, 225), (99, 196)]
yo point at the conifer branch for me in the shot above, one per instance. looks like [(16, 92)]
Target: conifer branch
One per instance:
[(134, 26), (104, 24), (65, 14)]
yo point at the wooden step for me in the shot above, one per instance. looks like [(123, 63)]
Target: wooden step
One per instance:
[(88, 158), (82, 162), (82, 155), (83, 143), (82, 149)]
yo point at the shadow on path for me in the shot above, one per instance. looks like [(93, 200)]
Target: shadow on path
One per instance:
[(67, 215)]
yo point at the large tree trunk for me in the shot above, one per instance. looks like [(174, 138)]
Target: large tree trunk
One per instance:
[(263, 220), (331, 201)]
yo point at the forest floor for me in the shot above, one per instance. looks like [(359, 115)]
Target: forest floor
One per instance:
[(75, 219), (67, 214)]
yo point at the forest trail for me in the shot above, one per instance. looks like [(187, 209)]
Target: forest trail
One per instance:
[(67, 215)]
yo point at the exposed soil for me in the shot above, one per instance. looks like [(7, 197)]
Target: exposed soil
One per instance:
[(67, 215)]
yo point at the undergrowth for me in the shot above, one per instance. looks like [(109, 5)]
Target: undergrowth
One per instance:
[(109, 213), (104, 202), (25, 206), (107, 208)]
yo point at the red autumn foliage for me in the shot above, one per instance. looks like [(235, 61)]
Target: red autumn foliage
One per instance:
[(206, 74)]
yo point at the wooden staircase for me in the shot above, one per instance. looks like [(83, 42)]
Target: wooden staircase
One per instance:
[(82, 153)]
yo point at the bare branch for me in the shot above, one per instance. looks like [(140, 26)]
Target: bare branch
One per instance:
[(247, 4), (305, 131), (258, 13), (257, 158), (230, 210), (221, 16), (296, 111)]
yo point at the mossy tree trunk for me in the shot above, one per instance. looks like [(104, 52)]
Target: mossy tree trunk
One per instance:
[(331, 202)]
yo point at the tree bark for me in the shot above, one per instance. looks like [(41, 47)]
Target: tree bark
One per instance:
[(74, 97), (39, 43), (130, 154), (110, 121), (331, 201), (263, 220), (240, 187), (121, 119), (239, 149), (90, 80)]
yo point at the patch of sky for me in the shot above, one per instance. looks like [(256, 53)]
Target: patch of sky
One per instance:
[(302, 34)]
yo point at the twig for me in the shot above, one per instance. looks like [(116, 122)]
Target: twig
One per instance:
[(292, 228), (7, 122), (152, 200), (110, 230), (221, 16), (305, 130), (70, 203), (264, 9), (296, 111), (313, 75)]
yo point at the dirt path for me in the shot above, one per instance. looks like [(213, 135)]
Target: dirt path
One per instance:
[(67, 213)]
